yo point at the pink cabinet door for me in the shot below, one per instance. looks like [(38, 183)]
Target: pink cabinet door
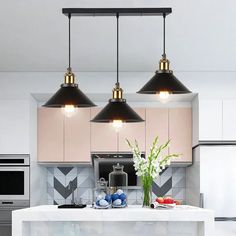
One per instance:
[(180, 133), (103, 135), (132, 131), (156, 125), (50, 135), (77, 136)]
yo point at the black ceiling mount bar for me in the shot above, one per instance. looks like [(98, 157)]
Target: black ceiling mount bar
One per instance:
[(115, 11)]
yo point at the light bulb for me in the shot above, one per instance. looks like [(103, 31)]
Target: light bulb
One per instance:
[(117, 124), (164, 95), (69, 110)]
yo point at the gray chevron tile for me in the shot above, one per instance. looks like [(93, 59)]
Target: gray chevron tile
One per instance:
[(179, 171), (73, 172), (161, 191), (88, 171), (50, 170), (178, 193), (171, 182), (65, 170), (50, 192), (85, 181), (178, 182), (62, 190)]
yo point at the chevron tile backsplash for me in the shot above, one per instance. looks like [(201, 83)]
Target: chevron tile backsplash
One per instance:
[(172, 182)]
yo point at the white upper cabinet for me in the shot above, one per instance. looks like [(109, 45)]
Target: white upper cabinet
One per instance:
[(210, 120), (229, 120), (14, 126)]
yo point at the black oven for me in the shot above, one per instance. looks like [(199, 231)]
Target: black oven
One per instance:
[(103, 165), (14, 188)]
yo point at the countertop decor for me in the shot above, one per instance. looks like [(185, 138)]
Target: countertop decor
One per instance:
[(149, 168)]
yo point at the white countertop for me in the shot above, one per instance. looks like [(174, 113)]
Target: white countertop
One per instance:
[(133, 220), (131, 213)]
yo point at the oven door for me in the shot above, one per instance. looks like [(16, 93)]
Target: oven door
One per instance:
[(14, 183)]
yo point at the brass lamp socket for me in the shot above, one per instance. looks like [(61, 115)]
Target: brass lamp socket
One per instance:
[(69, 77), (164, 64), (117, 92)]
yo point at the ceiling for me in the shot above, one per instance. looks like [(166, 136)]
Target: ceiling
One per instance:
[(201, 36)]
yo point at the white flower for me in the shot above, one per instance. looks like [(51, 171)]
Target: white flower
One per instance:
[(154, 163)]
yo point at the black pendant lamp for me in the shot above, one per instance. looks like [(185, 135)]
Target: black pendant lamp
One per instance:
[(69, 95), (117, 110), (164, 82)]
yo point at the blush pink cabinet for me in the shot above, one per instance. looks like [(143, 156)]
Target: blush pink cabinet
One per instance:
[(50, 135), (156, 125), (77, 136), (180, 133), (104, 138), (63, 139), (132, 131)]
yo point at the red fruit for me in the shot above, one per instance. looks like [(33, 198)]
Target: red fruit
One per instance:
[(168, 200), (160, 200), (177, 202)]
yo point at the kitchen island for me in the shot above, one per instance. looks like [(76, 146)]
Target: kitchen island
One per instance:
[(131, 221)]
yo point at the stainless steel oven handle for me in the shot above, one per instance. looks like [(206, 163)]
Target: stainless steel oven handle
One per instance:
[(5, 224), (12, 169)]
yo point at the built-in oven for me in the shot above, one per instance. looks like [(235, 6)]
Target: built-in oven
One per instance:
[(103, 165), (14, 188)]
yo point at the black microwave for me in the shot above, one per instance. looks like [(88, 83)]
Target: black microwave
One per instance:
[(103, 165)]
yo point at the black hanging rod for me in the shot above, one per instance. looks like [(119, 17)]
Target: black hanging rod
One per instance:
[(115, 11)]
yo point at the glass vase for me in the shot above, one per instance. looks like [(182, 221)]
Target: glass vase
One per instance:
[(147, 195)]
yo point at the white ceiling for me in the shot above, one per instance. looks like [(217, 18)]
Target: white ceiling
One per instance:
[(201, 36)]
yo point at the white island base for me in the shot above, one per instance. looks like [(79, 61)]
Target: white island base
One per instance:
[(130, 221)]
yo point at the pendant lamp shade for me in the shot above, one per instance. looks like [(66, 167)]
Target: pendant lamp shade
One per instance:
[(69, 94), (117, 109), (164, 79)]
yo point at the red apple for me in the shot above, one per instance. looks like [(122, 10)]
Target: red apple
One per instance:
[(160, 200), (168, 200)]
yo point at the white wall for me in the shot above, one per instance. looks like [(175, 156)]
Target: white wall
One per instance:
[(201, 36), (38, 174)]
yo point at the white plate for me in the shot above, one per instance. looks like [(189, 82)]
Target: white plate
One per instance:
[(166, 206), (121, 206), (101, 207)]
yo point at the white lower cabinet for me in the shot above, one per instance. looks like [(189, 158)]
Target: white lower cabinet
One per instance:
[(14, 126), (225, 228)]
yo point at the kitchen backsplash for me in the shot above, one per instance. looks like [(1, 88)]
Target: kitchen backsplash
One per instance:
[(172, 181)]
